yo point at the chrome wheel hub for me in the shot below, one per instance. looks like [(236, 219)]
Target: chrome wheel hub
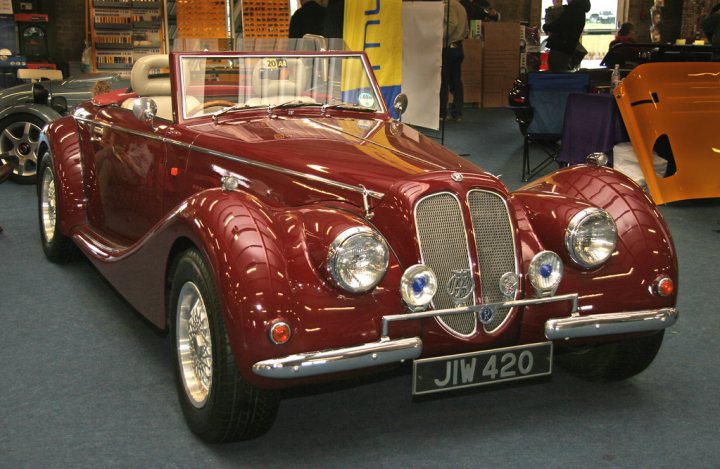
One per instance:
[(48, 205), (194, 345), (20, 140)]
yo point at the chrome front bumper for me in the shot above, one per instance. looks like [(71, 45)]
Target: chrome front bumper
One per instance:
[(387, 351), (626, 322)]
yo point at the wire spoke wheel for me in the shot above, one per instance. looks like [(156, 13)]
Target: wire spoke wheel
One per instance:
[(48, 205), (194, 345)]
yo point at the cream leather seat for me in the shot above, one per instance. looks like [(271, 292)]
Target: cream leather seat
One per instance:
[(157, 88)]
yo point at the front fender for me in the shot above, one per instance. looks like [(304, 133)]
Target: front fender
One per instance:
[(644, 250), (62, 140)]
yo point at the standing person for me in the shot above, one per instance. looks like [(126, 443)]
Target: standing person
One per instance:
[(554, 11), (564, 34), (455, 29), (308, 19)]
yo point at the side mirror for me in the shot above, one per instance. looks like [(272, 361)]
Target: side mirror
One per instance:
[(59, 103), (400, 104), (145, 109)]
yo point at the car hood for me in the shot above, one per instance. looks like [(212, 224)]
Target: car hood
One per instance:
[(369, 152), (671, 109)]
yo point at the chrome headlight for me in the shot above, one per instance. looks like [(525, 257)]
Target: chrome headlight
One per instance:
[(418, 286), (545, 273), (591, 237), (358, 259)]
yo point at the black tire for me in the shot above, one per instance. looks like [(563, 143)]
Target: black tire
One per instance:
[(19, 140), (225, 407), (611, 362), (56, 246)]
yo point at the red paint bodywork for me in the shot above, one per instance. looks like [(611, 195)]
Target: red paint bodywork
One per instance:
[(267, 241)]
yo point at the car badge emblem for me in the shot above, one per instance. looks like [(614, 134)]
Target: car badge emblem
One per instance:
[(486, 314), (460, 287), (457, 177)]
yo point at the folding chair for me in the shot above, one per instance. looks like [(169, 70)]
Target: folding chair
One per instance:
[(547, 96)]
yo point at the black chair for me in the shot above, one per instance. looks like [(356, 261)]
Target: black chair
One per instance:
[(541, 117)]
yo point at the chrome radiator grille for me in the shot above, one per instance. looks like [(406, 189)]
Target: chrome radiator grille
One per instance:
[(495, 247), (444, 248)]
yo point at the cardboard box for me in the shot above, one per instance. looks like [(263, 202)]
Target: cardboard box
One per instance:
[(472, 71), (501, 36)]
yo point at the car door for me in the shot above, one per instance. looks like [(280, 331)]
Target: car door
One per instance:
[(129, 158)]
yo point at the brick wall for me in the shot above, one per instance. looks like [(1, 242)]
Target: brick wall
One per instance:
[(68, 20)]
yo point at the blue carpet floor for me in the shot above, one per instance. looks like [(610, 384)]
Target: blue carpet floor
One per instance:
[(87, 383)]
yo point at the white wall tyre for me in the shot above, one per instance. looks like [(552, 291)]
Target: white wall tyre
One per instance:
[(218, 404)]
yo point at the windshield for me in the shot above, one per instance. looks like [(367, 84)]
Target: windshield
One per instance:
[(222, 84)]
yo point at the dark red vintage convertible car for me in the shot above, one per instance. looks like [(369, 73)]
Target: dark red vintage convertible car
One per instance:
[(267, 211)]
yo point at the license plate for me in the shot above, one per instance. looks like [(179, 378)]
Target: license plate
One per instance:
[(479, 368)]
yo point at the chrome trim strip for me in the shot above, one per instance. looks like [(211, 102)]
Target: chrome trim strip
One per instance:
[(572, 297), (238, 159), (610, 323), (344, 359)]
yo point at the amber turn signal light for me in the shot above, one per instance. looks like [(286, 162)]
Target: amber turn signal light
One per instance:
[(280, 333), (664, 286)]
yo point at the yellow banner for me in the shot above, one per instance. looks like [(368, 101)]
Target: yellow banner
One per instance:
[(375, 26)]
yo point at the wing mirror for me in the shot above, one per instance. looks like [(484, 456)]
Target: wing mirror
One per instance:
[(400, 104), (145, 109)]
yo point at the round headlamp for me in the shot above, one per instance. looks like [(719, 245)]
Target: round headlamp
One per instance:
[(591, 237), (418, 286), (545, 273), (358, 259)]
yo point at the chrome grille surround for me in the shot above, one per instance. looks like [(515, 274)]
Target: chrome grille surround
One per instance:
[(442, 237), (495, 247)]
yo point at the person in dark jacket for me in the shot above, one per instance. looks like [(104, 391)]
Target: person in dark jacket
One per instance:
[(564, 34), (308, 19)]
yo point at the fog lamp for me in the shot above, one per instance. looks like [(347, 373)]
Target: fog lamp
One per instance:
[(545, 273), (418, 286)]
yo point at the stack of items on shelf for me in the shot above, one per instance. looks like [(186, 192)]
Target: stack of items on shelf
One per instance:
[(125, 30)]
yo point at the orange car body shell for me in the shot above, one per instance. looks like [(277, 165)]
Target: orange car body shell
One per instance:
[(682, 102)]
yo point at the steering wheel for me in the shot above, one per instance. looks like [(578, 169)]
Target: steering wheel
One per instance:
[(211, 103)]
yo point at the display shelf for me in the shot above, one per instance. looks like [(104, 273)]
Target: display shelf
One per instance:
[(112, 3), (113, 40), (146, 4), (123, 30), (112, 18)]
